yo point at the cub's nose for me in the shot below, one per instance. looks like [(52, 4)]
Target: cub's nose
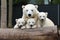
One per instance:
[(20, 26), (29, 15), (31, 26)]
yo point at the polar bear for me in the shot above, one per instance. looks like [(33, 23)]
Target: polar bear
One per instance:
[(30, 11), (20, 23), (31, 23), (43, 21)]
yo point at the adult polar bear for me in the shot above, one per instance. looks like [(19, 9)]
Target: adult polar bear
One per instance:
[(30, 11)]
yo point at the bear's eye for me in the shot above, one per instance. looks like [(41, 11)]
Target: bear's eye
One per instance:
[(40, 16), (31, 10), (32, 22), (26, 10)]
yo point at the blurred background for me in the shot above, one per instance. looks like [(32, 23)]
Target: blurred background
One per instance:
[(12, 9)]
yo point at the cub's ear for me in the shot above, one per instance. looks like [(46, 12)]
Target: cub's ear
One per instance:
[(46, 13), (36, 6), (16, 20), (23, 6)]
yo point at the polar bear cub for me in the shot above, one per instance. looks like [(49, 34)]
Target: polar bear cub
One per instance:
[(43, 20), (31, 23), (20, 23)]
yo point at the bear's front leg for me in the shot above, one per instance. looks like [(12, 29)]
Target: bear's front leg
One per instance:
[(35, 26), (27, 26), (16, 26), (23, 27)]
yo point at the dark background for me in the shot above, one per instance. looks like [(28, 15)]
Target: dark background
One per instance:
[(0, 12)]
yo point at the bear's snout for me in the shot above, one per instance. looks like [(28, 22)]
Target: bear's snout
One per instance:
[(20, 26), (42, 19), (29, 15), (31, 26)]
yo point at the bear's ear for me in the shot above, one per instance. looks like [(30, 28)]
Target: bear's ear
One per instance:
[(46, 13), (23, 6), (36, 6), (16, 20)]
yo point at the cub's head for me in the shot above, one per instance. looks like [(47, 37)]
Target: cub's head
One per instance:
[(42, 16), (29, 10), (31, 22), (20, 22)]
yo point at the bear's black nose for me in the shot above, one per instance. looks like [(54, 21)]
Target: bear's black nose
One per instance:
[(20, 26), (29, 15), (31, 26), (42, 19)]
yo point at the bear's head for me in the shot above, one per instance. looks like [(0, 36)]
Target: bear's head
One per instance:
[(29, 10), (31, 22), (20, 22), (42, 16)]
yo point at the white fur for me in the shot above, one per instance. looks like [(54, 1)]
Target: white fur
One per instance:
[(46, 21), (20, 22), (30, 22)]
